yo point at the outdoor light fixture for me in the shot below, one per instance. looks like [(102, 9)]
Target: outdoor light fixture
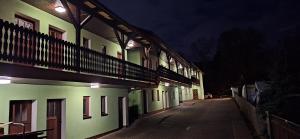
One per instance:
[(182, 87), (95, 85), (180, 67), (5, 80), (130, 43), (60, 9), (167, 84)]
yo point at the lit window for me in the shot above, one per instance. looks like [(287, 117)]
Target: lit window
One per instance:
[(104, 106), (86, 107)]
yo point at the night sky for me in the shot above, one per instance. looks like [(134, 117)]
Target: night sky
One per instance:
[(182, 22)]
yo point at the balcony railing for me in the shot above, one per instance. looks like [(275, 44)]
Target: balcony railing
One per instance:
[(195, 80), (166, 73), (26, 47)]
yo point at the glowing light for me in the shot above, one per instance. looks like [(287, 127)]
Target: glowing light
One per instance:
[(95, 85), (130, 43), (5, 80), (180, 67), (167, 84), (60, 9), (182, 87)]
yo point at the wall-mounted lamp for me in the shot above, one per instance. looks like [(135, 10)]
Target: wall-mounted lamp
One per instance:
[(95, 85), (5, 80), (60, 9), (130, 43)]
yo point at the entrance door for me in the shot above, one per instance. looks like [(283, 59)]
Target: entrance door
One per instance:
[(145, 101), (55, 50), (20, 112), (167, 99), (195, 94), (180, 96), (54, 111), (120, 103)]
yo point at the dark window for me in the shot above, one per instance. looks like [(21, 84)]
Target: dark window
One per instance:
[(157, 93), (86, 43), (104, 50), (86, 107), (153, 95), (150, 64), (104, 106)]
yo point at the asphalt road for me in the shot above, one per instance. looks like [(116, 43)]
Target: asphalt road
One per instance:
[(208, 119)]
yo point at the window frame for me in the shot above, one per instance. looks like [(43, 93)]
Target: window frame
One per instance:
[(153, 95), (157, 95), (86, 107), (105, 111)]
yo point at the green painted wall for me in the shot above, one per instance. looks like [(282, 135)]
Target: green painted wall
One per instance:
[(134, 56), (135, 99), (163, 61), (9, 8), (98, 42), (74, 105), (154, 105)]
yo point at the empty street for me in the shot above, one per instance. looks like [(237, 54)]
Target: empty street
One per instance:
[(208, 119)]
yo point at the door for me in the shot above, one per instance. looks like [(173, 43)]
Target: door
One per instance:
[(24, 48), (167, 99), (55, 51), (163, 99), (145, 101), (180, 96), (20, 112), (195, 94), (54, 111), (120, 103)]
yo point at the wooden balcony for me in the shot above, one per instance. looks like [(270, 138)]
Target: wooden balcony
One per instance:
[(28, 49), (195, 80), (171, 75)]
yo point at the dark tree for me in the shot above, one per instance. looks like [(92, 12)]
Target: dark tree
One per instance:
[(238, 59), (284, 97)]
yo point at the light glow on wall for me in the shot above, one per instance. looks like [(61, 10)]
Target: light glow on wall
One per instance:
[(95, 85), (167, 84), (5, 80), (182, 87)]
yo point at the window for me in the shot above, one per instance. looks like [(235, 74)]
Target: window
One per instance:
[(104, 50), (86, 43), (23, 22), (86, 107), (157, 93), (153, 95), (119, 55), (20, 112), (150, 64), (104, 106)]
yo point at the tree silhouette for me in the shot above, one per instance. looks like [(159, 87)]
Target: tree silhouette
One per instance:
[(238, 58)]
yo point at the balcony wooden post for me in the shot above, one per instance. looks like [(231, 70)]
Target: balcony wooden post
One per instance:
[(176, 66), (169, 63)]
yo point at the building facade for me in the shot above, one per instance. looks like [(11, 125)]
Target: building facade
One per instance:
[(76, 69)]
